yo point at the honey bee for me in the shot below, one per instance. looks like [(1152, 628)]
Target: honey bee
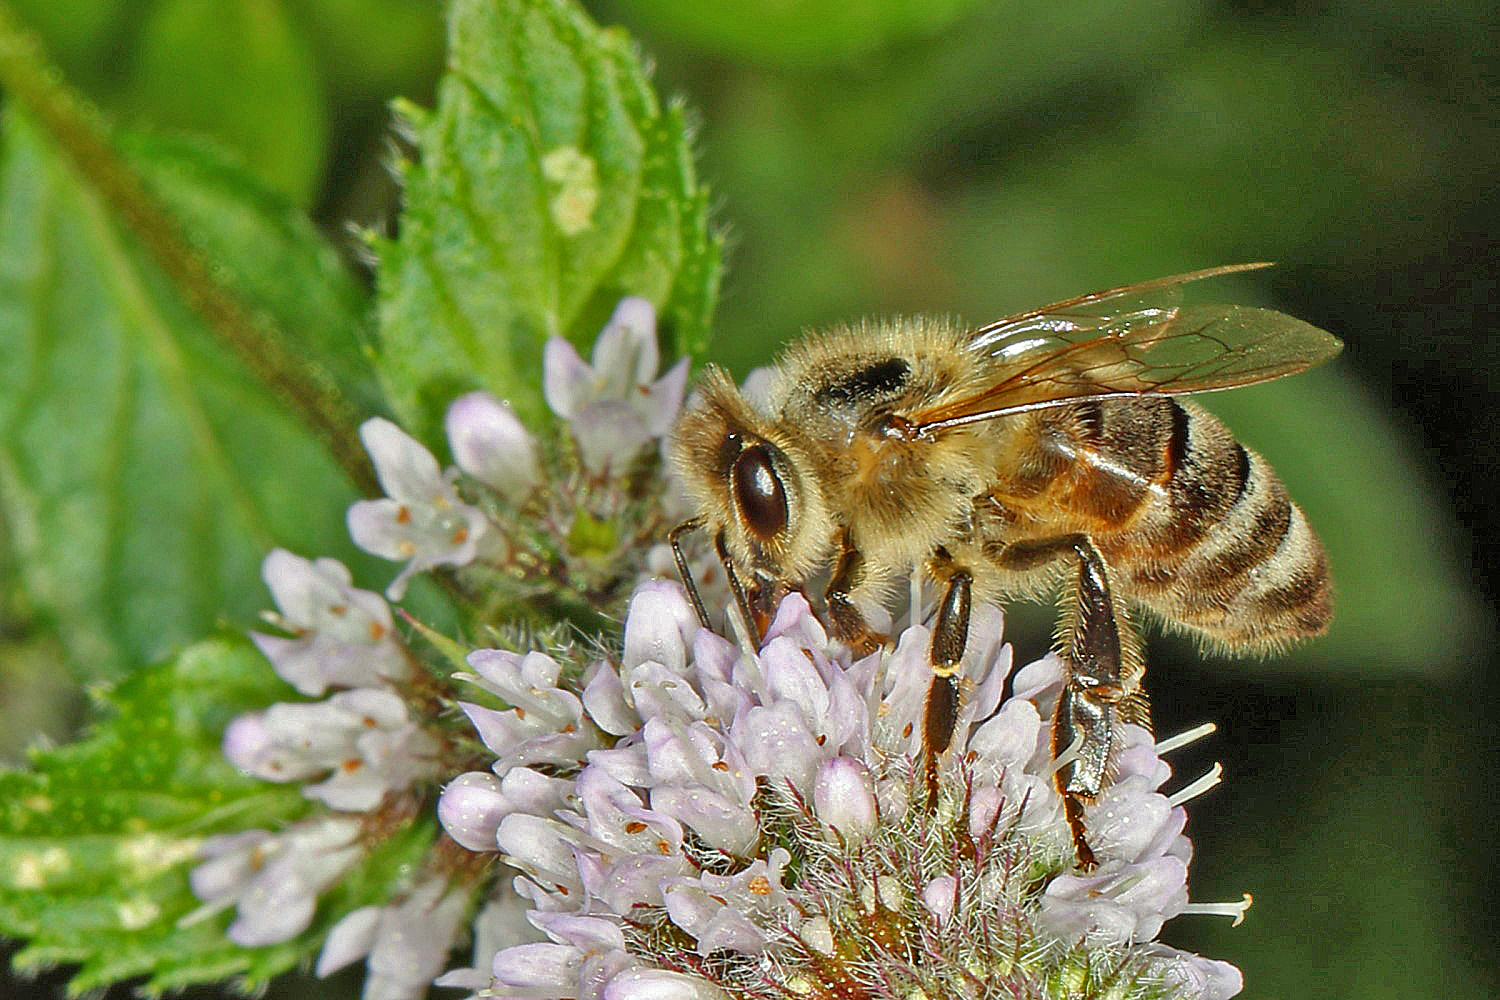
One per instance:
[(1043, 452)]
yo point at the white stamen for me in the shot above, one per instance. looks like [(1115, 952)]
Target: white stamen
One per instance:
[(1213, 777), (1068, 756), (914, 613), (1193, 735), (748, 667), (1234, 910)]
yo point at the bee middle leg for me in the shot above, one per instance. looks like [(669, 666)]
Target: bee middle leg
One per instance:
[(1102, 687), (950, 636)]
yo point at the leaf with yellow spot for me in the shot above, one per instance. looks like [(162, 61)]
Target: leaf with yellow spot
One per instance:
[(549, 182)]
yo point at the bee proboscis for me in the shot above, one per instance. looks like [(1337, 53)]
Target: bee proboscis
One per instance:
[(1046, 449)]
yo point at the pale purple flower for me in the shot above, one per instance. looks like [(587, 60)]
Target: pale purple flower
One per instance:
[(615, 405), (659, 984), (490, 444), (1194, 976), (362, 743), (740, 912), (421, 519), (405, 944), (585, 954), (273, 878), (940, 896), (699, 777), (342, 635), (501, 923), (473, 804), (544, 724), (732, 770)]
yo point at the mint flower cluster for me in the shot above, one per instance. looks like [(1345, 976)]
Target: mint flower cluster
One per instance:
[(670, 813), (742, 824)]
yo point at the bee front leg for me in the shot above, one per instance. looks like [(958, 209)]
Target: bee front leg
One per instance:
[(1102, 688), (846, 620), (755, 623), (755, 615)]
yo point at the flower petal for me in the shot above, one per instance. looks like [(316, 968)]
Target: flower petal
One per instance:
[(565, 377), (406, 469), (471, 807), (349, 940)]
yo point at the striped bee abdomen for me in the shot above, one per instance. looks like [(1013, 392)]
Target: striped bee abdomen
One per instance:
[(1218, 547)]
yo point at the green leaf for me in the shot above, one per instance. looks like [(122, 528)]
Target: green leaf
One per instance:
[(550, 184), (271, 255), (800, 32), (1400, 602), (370, 47), (96, 841), (80, 36), (38, 702), (142, 474), (240, 72)]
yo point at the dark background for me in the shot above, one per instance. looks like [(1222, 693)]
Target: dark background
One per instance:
[(977, 158)]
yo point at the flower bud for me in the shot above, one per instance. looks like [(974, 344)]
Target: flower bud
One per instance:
[(471, 808), (844, 798), (490, 444)]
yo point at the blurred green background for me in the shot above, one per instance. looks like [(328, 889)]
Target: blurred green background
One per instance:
[(975, 158)]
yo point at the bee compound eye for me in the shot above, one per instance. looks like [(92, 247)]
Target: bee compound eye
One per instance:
[(758, 493)]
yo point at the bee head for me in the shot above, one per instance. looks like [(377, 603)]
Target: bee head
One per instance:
[(751, 482)]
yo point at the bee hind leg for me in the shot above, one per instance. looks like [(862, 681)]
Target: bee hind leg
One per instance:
[(1102, 689)]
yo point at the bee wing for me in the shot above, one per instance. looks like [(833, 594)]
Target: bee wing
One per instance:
[(1073, 317), (1130, 341)]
